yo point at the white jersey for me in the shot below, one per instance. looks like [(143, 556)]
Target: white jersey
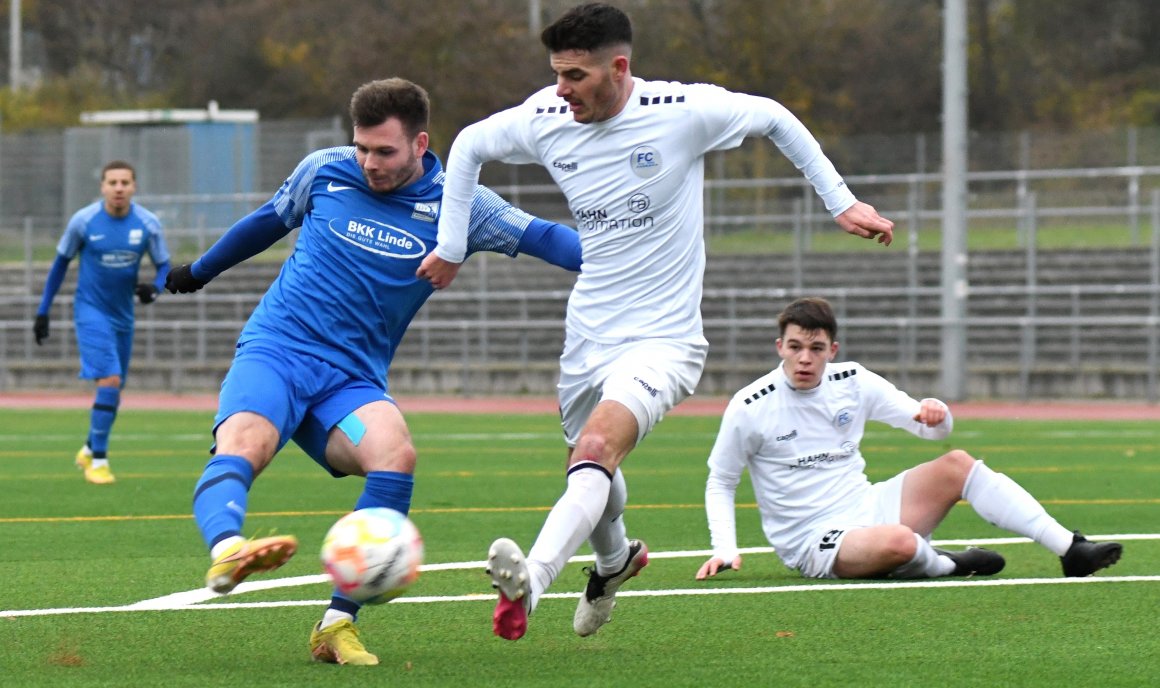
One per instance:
[(802, 452), (634, 184)]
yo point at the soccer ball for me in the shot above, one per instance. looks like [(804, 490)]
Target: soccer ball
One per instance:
[(373, 554)]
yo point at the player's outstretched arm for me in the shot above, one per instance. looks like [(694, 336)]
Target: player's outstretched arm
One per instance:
[(248, 237), (716, 565), (861, 219)]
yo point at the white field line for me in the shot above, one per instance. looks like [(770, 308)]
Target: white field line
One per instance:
[(529, 436), (192, 599)]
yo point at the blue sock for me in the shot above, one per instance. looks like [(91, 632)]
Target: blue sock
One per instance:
[(220, 498), (101, 420), (343, 604), (388, 489)]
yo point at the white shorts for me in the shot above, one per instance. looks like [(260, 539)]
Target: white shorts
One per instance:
[(881, 505), (648, 376)]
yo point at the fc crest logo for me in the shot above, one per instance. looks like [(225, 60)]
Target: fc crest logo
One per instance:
[(645, 161)]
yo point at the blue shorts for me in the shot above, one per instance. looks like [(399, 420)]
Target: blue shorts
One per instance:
[(104, 350), (303, 396)]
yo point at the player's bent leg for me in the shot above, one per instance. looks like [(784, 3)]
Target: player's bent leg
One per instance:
[(596, 604), (247, 557), (931, 489), (339, 643), (371, 437), (1004, 503), (508, 570), (870, 552)]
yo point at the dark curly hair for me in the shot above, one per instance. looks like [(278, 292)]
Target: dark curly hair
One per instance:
[(377, 101)]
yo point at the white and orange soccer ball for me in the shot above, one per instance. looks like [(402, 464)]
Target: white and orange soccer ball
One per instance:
[(372, 555)]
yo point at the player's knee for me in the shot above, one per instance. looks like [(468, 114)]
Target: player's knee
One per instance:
[(110, 381), (899, 546), (254, 445), (403, 458), (957, 464), (590, 447)]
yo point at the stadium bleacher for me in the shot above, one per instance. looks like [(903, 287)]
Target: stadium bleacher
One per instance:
[(500, 328)]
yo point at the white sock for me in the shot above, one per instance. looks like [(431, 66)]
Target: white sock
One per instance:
[(97, 463), (1002, 502), (609, 539), (926, 563), (568, 525), (333, 616), (223, 545)]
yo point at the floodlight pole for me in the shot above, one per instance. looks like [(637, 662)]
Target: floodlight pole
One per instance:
[(535, 22), (14, 50), (954, 201)]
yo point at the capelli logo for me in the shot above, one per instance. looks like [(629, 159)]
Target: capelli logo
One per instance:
[(647, 387), (566, 166)]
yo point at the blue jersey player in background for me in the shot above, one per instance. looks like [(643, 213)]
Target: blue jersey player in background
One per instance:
[(311, 362), (110, 236)]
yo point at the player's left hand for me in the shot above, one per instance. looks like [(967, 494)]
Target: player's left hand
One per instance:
[(861, 219), (931, 412), (440, 273), (146, 292)]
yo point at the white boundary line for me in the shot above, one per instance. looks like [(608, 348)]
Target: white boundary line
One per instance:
[(193, 599)]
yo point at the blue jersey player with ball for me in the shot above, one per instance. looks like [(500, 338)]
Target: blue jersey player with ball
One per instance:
[(311, 362)]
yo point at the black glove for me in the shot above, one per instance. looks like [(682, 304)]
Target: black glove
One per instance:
[(180, 280), (146, 292), (40, 329)]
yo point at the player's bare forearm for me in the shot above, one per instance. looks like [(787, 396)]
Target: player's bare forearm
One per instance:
[(861, 219), (440, 273)]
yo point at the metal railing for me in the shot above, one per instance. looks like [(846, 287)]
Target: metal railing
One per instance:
[(508, 336)]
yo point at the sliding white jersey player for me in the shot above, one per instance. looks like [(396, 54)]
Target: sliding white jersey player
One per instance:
[(798, 431)]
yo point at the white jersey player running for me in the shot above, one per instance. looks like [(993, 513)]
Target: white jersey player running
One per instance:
[(629, 156), (798, 430)]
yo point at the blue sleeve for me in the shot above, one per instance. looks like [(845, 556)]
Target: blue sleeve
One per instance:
[(162, 271), (248, 237), (158, 251), (552, 242), (52, 284)]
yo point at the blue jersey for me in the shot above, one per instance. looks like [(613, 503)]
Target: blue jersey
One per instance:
[(349, 290), (110, 250)]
